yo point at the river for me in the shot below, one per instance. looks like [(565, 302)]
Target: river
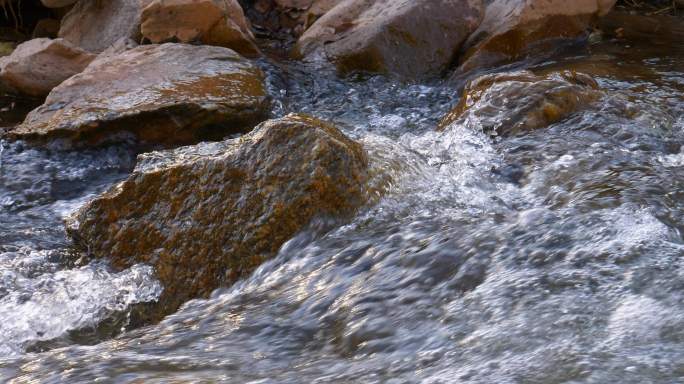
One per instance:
[(553, 256)]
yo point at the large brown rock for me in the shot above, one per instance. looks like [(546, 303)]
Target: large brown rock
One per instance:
[(95, 25), (509, 103), (169, 94), (209, 214), (408, 38), (213, 22), (513, 29), (39, 65)]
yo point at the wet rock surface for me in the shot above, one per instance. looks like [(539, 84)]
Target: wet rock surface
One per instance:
[(160, 94), (96, 25), (514, 29), (212, 22), (510, 103), (39, 65), (207, 215), (411, 39)]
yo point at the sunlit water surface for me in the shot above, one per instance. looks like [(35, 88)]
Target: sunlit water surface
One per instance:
[(555, 256)]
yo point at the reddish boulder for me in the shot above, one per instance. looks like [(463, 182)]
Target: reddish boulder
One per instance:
[(206, 215), (211, 22), (39, 65)]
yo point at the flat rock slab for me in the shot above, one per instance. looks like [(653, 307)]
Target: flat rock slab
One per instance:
[(209, 214), (166, 94), (513, 102)]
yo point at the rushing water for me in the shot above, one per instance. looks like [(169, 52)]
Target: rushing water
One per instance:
[(555, 256)]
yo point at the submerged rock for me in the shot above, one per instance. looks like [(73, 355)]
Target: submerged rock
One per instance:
[(212, 22), (168, 94), (209, 214), (508, 103), (406, 38), (39, 65), (96, 25), (513, 29)]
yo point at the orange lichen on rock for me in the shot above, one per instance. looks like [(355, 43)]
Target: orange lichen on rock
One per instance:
[(207, 215)]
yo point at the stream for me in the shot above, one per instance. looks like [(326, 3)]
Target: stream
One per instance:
[(552, 256)]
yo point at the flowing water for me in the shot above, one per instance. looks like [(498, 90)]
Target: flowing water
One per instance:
[(554, 256)]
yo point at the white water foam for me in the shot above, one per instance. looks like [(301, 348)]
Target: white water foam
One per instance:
[(48, 306)]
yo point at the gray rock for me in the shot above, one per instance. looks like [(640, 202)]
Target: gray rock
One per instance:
[(407, 38), (95, 25)]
